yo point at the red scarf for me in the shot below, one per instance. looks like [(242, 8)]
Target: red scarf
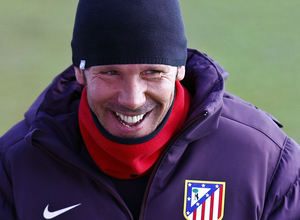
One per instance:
[(125, 161)]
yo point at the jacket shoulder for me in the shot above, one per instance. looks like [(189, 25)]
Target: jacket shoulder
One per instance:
[(14, 135), (13, 139), (244, 113)]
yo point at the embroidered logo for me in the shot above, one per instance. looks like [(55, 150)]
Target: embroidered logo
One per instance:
[(82, 64), (50, 215), (204, 200)]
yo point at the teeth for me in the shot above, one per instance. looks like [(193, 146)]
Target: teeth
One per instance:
[(130, 119)]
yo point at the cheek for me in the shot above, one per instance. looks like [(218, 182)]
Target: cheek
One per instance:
[(163, 94), (99, 92)]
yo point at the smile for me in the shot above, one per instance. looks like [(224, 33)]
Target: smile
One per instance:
[(130, 121)]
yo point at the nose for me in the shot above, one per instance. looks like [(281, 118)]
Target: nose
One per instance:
[(132, 95)]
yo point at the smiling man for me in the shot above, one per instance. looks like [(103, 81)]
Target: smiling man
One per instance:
[(134, 113), (141, 128)]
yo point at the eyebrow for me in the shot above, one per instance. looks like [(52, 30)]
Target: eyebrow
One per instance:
[(145, 66)]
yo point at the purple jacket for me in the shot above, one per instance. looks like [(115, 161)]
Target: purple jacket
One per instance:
[(225, 141)]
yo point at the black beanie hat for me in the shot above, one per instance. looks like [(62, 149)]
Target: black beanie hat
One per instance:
[(128, 32)]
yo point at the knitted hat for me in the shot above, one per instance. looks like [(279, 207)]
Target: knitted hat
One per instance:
[(128, 32)]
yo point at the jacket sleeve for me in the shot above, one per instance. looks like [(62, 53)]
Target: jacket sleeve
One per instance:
[(7, 209), (283, 199), (7, 141)]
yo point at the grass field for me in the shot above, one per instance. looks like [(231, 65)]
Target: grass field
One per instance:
[(257, 42)]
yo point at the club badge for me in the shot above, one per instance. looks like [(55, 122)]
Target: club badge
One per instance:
[(204, 200)]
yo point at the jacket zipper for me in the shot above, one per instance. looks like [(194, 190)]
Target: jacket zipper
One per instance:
[(204, 114)]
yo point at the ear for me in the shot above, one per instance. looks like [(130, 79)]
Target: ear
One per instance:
[(79, 76), (180, 73)]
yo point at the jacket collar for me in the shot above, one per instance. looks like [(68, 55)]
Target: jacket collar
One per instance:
[(205, 80)]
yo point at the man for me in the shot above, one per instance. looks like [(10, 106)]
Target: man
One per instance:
[(139, 127)]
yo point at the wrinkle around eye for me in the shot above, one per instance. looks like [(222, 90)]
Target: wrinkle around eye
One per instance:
[(106, 76)]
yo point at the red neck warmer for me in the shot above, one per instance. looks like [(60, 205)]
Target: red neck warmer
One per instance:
[(127, 161)]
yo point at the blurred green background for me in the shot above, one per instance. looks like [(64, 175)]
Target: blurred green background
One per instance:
[(257, 42)]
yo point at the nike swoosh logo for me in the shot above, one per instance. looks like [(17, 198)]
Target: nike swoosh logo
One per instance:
[(50, 215)]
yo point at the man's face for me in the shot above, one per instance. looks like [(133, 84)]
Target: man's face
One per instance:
[(131, 100)]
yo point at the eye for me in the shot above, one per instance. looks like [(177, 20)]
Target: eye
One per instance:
[(152, 74), (111, 72)]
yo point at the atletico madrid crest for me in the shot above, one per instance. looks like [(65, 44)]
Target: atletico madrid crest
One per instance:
[(204, 200)]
